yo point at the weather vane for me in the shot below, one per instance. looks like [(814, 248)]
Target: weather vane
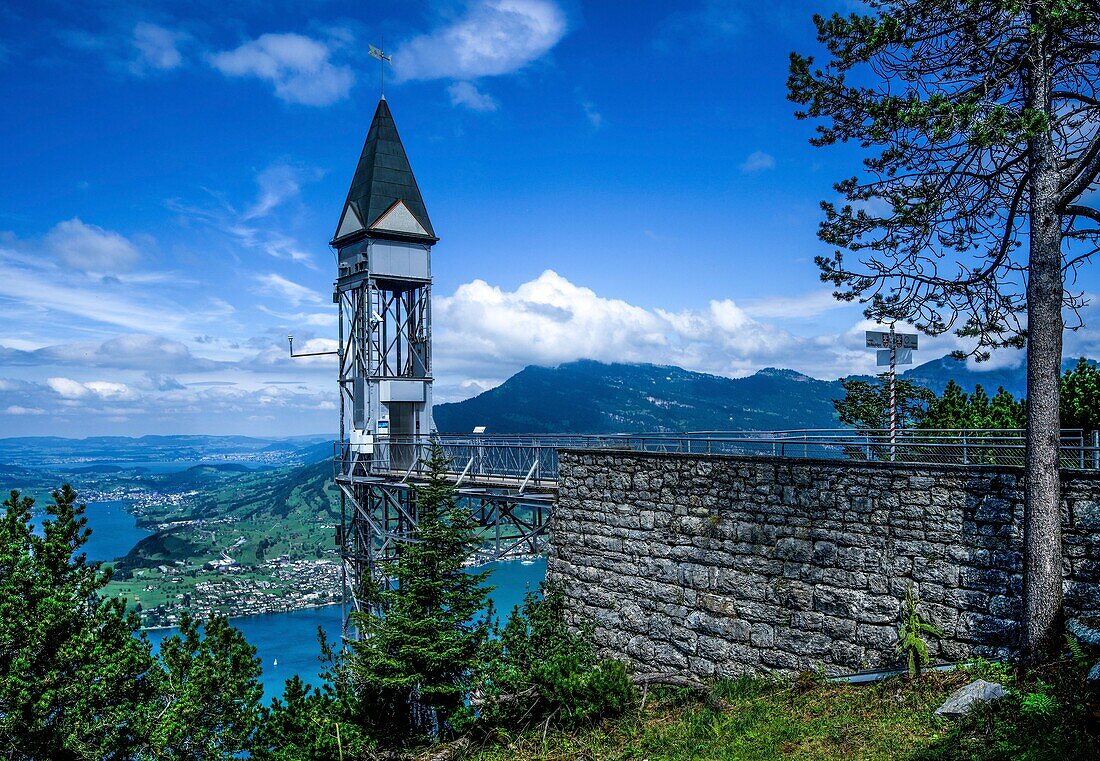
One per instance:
[(382, 59)]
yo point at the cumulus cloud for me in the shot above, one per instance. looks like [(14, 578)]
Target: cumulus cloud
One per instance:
[(486, 331), (89, 248), (300, 68), (758, 161), (466, 94), (493, 37), (157, 48)]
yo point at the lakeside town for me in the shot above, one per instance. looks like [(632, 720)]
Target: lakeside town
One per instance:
[(163, 594)]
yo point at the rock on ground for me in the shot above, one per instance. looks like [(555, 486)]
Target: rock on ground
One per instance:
[(963, 700), (1086, 630)]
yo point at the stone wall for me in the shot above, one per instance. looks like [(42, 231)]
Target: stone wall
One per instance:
[(722, 565)]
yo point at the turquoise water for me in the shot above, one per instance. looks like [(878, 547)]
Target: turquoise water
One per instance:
[(291, 638), (114, 530)]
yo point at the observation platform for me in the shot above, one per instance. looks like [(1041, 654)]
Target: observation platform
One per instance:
[(528, 465)]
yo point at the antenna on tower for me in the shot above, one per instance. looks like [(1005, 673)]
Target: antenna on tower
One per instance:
[(382, 60)]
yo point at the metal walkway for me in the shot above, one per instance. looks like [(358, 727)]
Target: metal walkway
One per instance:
[(528, 463)]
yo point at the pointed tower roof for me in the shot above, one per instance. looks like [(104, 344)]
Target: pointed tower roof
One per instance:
[(384, 200)]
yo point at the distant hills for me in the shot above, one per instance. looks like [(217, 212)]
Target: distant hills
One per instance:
[(576, 397), (105, 453), (593, 397)]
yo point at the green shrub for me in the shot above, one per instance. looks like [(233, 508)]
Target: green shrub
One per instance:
[(540, 670), (914, 628), (1039, 704)]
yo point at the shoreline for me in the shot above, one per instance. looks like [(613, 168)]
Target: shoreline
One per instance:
[(521, 559), (162, 627)]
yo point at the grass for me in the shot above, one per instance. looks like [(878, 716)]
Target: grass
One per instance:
[(754, 719)]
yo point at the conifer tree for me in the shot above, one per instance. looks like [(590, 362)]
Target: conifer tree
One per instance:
[(1081, 397), (207, 693), (413, 662), (987, 113), (866, 404), (77, 678), (74, 680)]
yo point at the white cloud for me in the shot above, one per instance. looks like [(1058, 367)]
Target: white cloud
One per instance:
[(130, 351), (466, 94), (40, 288), (157, 48), (278, 187), (758, 161), (277, 286), (494, 37), (19, 410), (483, 331), (299, 67), (89, 248), (278, 184), (67, 388), (111, 391)]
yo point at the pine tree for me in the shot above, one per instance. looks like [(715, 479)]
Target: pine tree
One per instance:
[(413, 661), (77, 678), (973, 214), (866, 405), (977, 409), (1005, 412), (949, 410), (208, 693), (74, 680), (1081, 397)]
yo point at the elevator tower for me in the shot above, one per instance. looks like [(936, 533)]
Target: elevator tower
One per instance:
[(384, 242)]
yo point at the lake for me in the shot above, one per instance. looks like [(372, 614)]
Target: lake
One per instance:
[(114, 529), (291, 638)]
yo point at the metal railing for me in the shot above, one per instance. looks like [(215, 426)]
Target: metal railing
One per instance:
[(532, 461)]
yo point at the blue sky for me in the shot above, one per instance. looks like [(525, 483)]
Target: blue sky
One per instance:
[(624, 185)]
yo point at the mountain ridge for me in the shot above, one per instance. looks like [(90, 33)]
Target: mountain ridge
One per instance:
[(588, 396)]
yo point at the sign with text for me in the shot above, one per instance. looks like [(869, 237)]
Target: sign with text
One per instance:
[(904, 357), (879, 339)]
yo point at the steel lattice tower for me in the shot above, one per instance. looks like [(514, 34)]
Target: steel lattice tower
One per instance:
[(383, 242)]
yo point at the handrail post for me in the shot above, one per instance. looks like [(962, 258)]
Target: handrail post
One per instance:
[(966, 457), (1096, 450)]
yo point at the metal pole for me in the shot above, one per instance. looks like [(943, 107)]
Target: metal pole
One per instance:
[(893, 396), (1096, 450)]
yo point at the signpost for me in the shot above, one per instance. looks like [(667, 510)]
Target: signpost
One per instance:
[(894, 349)]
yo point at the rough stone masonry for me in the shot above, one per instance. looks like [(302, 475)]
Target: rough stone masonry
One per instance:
[(718, 565)]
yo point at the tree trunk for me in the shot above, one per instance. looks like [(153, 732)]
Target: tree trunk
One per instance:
[(1042, 511)]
